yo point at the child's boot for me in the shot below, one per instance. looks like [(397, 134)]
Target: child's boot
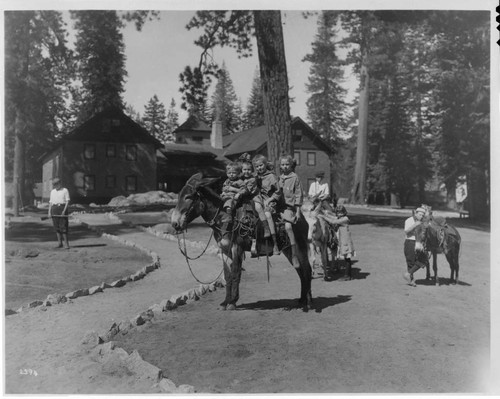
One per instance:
[(253, 250), (267, 230), (347, 274), (295, 258), (276, 250)]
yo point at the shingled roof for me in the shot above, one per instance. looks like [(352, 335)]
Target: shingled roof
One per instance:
[(194, 149), (101, 127), (253, 140), (246, 141), (193, 124)]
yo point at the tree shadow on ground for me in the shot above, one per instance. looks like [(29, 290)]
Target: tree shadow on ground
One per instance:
[(339, 272), (43, 232), (319, 303), (88, 246)]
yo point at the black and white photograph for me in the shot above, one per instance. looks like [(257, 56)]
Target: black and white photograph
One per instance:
[(234, 198)]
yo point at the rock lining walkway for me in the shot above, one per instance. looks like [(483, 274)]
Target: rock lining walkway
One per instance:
[(85, 323)]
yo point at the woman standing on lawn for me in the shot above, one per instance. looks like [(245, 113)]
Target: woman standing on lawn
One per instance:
[(58, 211)]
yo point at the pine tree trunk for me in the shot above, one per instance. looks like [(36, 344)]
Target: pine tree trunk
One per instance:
[(274, 80), (477, 194), (18, 173), (358, 192)]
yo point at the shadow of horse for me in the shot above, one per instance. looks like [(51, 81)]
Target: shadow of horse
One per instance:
[(338, 272), (442, 281), (319, 303)]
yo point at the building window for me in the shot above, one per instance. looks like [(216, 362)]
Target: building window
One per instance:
[(131, 153), (89, 182), (296, 156), (297, 135), (311, 158), (110, 151), (198, 139), (89, 151), (110, 181), (106, 125), (131, 183)]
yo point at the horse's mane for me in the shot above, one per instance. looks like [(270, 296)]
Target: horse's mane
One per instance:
[(209, 191)]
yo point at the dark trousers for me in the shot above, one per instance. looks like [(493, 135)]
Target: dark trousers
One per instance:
[(414, 260), (60, 221)]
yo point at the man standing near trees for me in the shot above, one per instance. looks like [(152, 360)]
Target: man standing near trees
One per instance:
[(319, 192), (58, 211)]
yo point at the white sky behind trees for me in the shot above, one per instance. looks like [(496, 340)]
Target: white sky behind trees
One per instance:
[(156, 55)]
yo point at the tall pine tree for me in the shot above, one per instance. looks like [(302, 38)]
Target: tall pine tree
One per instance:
[(172, 122), (254, 114), (37, 74), (101, 62), (326, 108), (224, 104), (155, 119)]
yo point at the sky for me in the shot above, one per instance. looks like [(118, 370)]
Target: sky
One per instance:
[(158, 54)]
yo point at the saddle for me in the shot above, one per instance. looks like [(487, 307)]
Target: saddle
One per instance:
[(442, 233), (248, 224)]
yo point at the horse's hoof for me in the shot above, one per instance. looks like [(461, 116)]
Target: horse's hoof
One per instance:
[(222, 307), (231, 307)]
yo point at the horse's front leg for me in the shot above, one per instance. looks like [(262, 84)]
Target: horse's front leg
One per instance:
[(435, 268), (305, 274), (453, 261), (227, 264), (235, 275), (324, 260)]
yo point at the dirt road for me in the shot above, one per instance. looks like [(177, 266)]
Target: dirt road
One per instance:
[(374, 334), (370, 335)]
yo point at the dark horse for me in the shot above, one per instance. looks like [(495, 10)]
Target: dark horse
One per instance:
[(439, 237), (199, 198)]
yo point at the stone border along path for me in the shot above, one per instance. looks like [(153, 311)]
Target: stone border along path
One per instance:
[(54, 299), (102, 345), (105, 346)]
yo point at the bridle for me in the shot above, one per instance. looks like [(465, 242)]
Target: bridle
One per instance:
[(196, 197)]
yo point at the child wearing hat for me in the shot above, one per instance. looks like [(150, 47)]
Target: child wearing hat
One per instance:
[(232, 189), (58, 211), (319, 192)]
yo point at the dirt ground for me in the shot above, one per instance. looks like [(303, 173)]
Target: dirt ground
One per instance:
[(374, 334), (34, 268)]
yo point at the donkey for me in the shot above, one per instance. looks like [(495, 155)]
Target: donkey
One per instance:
[(318, 237), (199, 198), (437, 238)]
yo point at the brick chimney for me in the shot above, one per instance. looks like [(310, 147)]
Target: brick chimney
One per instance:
[(216, 135)]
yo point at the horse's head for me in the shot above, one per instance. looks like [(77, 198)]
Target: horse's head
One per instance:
[(315, 231), (190, 204), (425, 235)]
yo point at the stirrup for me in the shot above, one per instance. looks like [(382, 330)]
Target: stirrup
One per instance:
[(253, 250)]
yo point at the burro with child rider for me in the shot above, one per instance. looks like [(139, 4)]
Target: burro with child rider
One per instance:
[(254, 182)]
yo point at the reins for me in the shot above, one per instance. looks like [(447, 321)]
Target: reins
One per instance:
[(188, 258)]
